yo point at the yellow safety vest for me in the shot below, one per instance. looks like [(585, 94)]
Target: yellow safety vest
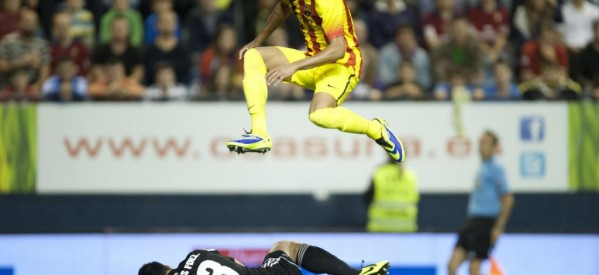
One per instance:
[(395, 204)]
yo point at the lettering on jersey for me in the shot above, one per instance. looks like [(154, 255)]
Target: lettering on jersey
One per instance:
[(271, 262), (190, 261)]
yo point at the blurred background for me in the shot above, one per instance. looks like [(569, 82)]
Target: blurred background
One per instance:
[(114, 115)]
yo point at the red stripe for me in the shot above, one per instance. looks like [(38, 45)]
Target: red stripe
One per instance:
[(317, 18), (315, 46), (352, 55), (312, 31)]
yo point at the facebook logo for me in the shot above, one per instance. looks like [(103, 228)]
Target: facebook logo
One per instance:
[(532, 128), (6, 270), (532, 164)]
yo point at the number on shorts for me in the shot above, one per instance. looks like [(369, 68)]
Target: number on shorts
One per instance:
[(210, 267)]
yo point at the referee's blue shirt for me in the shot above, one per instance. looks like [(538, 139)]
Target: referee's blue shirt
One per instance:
[(491, 183)]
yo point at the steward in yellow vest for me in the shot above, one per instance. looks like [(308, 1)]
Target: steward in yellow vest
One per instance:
[(393, 199)]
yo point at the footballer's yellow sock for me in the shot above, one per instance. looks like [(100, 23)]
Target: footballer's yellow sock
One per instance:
[(347, 121), (255, 90)]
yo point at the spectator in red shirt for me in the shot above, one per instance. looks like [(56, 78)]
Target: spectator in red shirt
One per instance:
[(64, 45), (437, 22), (492, 25), (9, 17), (547, 48)]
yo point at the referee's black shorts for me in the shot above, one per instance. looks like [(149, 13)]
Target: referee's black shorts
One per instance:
[(475, 236)]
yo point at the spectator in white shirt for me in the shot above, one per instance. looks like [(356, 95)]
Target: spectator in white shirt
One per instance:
[(577, 28)]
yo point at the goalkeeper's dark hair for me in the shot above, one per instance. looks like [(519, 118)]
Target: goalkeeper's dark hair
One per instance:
[(153, 268)]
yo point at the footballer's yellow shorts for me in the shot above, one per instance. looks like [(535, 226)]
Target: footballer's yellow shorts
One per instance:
[(334, 79)]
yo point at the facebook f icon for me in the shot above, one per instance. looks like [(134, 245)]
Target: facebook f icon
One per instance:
[(532, 128)]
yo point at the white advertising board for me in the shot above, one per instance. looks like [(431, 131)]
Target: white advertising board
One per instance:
[(180, 148), (421, 254)]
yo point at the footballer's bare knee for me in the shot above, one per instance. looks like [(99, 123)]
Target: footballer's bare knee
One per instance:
[(272, 56), (288, 247)]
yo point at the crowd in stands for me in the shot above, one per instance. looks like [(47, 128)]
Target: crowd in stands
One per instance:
[(163, 50)]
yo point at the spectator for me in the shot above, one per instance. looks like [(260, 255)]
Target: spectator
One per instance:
[(65, 85), (23, 50), (457, 85), (119, 48), (133, 3), (492, 25), (82, 22), (552, 84), (528, 18), (151, 23), (489, 208), (9, 17), (435, 23), (503, 87), (65, 45), (386, 17), (392, 199), (30, 4), (165, 85), (461, 52), (120, 8), (366, 88), (404, 47), (220, 68), (168, 48), (589, 63), (407, 87), (356, 10), (115, 85), (180, 7), (203, 23), (546, 49), (577, 28), (18, 88), (426, 6)]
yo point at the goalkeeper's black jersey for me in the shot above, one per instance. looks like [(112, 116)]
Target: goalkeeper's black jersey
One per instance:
[(208, 262)]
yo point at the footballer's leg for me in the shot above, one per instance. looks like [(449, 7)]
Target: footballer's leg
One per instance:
[(320, 261), (333, 83), (256, 63)]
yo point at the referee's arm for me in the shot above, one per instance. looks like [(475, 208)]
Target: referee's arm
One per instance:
[(507, 202)]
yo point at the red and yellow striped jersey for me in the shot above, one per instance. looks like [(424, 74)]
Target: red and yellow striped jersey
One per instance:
[(323, 20)]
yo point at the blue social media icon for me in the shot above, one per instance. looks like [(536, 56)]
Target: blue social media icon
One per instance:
[(532, 128), (532, 164)]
